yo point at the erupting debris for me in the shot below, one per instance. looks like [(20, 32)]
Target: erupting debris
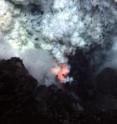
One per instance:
[(61, 70)]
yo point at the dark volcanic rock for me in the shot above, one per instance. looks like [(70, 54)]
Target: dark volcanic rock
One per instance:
[(107, 82), (21, 101), (16, 86), (106, 86)]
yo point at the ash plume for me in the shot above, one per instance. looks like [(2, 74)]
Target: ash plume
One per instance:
[(44, 32)]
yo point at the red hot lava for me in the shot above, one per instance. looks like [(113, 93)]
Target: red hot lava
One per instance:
[(60, 70)]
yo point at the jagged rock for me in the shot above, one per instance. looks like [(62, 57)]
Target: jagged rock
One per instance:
[(16, 86), (106, 86), (22, 101), (107, 81)]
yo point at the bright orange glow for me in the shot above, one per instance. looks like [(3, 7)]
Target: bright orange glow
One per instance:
[(60, 70)]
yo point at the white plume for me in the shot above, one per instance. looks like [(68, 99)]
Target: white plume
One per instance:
[(42, 39)]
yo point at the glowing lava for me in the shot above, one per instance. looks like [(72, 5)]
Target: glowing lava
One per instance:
[(61, 70)]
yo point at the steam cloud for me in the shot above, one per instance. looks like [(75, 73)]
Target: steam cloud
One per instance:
[(47, 30)]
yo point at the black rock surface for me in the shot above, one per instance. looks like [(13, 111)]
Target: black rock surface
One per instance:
[(106, 88), (23, 101), (16, 87)]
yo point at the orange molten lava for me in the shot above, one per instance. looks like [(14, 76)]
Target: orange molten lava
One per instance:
[(60, 70)]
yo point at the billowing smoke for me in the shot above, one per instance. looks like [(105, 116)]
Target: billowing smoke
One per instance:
[(44, 32), (111, 60)]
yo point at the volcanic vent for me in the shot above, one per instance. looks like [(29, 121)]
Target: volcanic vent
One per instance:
[(70, 48)]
